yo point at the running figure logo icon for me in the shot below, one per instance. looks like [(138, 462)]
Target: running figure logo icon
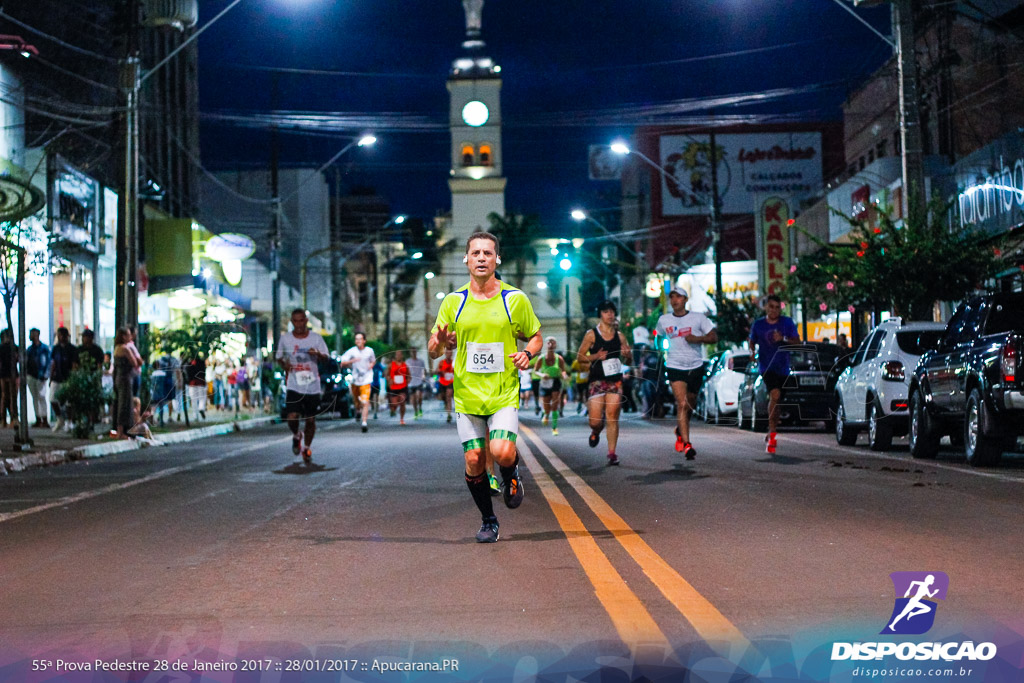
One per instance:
[(914, 612)]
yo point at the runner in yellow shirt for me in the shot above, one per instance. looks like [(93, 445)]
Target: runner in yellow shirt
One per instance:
[(482, 322)]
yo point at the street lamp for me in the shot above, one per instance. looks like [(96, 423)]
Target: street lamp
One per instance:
[(622, 148)]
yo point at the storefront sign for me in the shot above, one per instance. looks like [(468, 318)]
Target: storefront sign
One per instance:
[(991, 186), (773, 216), (74, 205), (786, 164)]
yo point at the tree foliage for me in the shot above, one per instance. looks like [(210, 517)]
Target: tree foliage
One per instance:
[(904, 267), (517, 234)]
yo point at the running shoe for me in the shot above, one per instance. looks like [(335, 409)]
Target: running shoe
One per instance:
[(770, 443), (365, 428), (613, 459), (512, 490), (594, 438), (495, 486), (680, 444), (307, 456), (689, 451), (544, 420), (488, 531), (449, 419), (402, 421), (297, 444), (554, 431)]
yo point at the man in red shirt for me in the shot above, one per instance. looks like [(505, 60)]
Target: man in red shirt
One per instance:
[(446, 378), (398, 385)]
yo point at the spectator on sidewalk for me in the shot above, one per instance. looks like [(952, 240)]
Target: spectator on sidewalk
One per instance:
[(37, 369), (194, 371), (91, 349), (126, 364), (63, 359), (8, 379)]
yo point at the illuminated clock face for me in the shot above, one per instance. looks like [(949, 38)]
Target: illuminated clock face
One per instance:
[(475, 113)]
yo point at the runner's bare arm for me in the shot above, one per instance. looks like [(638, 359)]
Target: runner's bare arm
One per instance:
[(627, 352), (439, 341), (588, 342), (520, 359)]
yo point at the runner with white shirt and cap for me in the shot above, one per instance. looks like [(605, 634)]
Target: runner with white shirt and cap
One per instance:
[(361, 359), (685, 331), (298, 352)]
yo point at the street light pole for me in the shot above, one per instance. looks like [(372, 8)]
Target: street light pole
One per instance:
[(568, 329), (714, 225)]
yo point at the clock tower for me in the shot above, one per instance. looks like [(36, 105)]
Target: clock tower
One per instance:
[(474, 86)]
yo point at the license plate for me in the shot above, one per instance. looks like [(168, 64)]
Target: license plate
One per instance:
[(812, 381)]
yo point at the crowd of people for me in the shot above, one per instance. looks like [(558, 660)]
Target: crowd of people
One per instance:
[(197, 384)]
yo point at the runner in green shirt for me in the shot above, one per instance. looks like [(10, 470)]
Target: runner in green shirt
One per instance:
[(483, 321)]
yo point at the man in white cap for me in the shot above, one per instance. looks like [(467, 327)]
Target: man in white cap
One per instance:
[(685, 331)]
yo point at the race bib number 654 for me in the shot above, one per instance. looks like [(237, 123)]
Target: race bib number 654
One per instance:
[(485, 358)]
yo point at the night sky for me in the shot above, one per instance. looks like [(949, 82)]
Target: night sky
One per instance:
[(562, 61)]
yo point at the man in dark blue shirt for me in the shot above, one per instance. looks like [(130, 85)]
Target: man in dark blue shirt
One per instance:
[(767, 336)]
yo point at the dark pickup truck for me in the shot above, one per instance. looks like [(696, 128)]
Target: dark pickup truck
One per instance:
[(970, 387)]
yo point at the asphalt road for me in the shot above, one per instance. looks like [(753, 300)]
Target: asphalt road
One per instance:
[(222, 549)]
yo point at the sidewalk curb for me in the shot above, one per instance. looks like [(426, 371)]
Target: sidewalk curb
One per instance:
[(48, 458)]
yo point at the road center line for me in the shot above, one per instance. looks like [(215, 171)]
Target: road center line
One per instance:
[(85, 495), (705, 618), (635, 625)]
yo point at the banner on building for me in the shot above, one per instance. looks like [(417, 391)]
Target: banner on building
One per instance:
[(772, 233), (785, 164)]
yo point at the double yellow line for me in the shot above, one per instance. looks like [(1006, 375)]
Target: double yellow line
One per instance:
[(631, 619)]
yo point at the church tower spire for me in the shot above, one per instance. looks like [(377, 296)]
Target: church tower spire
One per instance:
[(474, 23), (474, 84)]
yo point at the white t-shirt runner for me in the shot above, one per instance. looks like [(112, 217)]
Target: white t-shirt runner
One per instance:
[(304, 375), (362, 369), (417, 372), (682, 355)]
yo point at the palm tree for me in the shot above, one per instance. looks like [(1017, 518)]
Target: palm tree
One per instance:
[(517, 234)]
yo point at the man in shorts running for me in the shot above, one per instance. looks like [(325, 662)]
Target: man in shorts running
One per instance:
[(685, 331), (398, 385), (446, 381), (298, 352), (767, 336), (417, 378), (483, 320), (361, 359)]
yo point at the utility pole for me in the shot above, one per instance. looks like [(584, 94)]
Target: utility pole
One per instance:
[(912, 148), (714, 224), (126, 298), (568, 329), (275, 228)]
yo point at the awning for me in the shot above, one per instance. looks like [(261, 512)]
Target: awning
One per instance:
[(19, 198)]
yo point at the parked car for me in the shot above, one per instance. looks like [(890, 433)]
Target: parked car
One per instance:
[(805, 395), (872, 392), (970, 386), (719, 395), (335, 397)]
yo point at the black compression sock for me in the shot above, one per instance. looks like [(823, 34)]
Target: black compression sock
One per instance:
[(480, 489), (507, 472)]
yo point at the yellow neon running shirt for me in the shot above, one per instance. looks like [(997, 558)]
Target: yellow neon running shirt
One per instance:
[(505, 317)]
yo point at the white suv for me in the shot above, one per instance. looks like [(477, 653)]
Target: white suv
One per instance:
[(872, 392)]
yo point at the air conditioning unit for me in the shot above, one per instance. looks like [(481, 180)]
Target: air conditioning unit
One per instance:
[(178, 14)]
